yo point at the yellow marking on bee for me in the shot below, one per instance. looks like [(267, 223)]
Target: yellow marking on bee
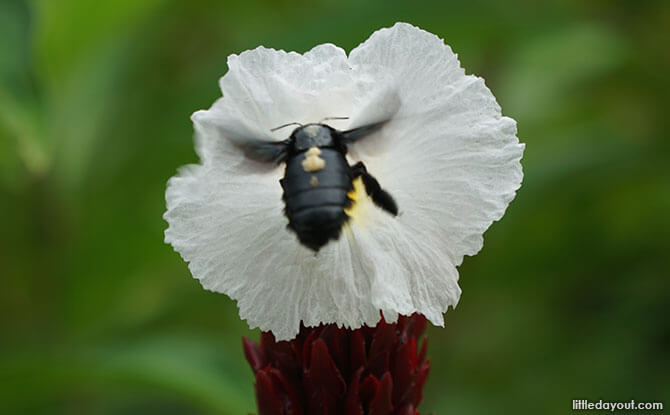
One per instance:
[(312, 161), (358, 210), (314, 181), (313, 151)]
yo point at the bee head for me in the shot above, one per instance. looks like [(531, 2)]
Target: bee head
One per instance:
[(313, 135)]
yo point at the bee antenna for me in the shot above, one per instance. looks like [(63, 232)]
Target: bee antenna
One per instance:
[(285, 125), (333, 118)]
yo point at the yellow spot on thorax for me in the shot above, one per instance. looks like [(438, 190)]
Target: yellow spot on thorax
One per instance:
[(358, 210), (312, 161), (314, 181), (313, 151)]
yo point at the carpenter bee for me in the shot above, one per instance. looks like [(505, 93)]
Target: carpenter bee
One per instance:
[(318, 181)]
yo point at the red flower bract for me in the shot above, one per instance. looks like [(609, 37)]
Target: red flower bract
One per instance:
[(328, 370)]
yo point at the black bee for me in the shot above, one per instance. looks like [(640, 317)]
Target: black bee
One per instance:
[(318, 179)]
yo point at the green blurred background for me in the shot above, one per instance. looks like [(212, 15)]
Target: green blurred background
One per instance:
[(569, 298)]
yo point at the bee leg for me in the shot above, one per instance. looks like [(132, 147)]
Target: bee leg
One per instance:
[(379, 196)]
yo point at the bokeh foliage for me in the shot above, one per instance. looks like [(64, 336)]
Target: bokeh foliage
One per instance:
[(568, 299)]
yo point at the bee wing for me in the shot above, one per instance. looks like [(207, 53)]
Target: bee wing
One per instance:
[(265, 151), (378, 111), (255, 148), (349, 136)]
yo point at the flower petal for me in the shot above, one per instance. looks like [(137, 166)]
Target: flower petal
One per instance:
[(269, 88), (448, 157)]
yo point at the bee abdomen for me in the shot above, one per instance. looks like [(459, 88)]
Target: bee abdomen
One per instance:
[(315, 200), (316, 225), (317, 215)]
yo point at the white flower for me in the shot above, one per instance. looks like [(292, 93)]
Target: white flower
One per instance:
[(447, 156)]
